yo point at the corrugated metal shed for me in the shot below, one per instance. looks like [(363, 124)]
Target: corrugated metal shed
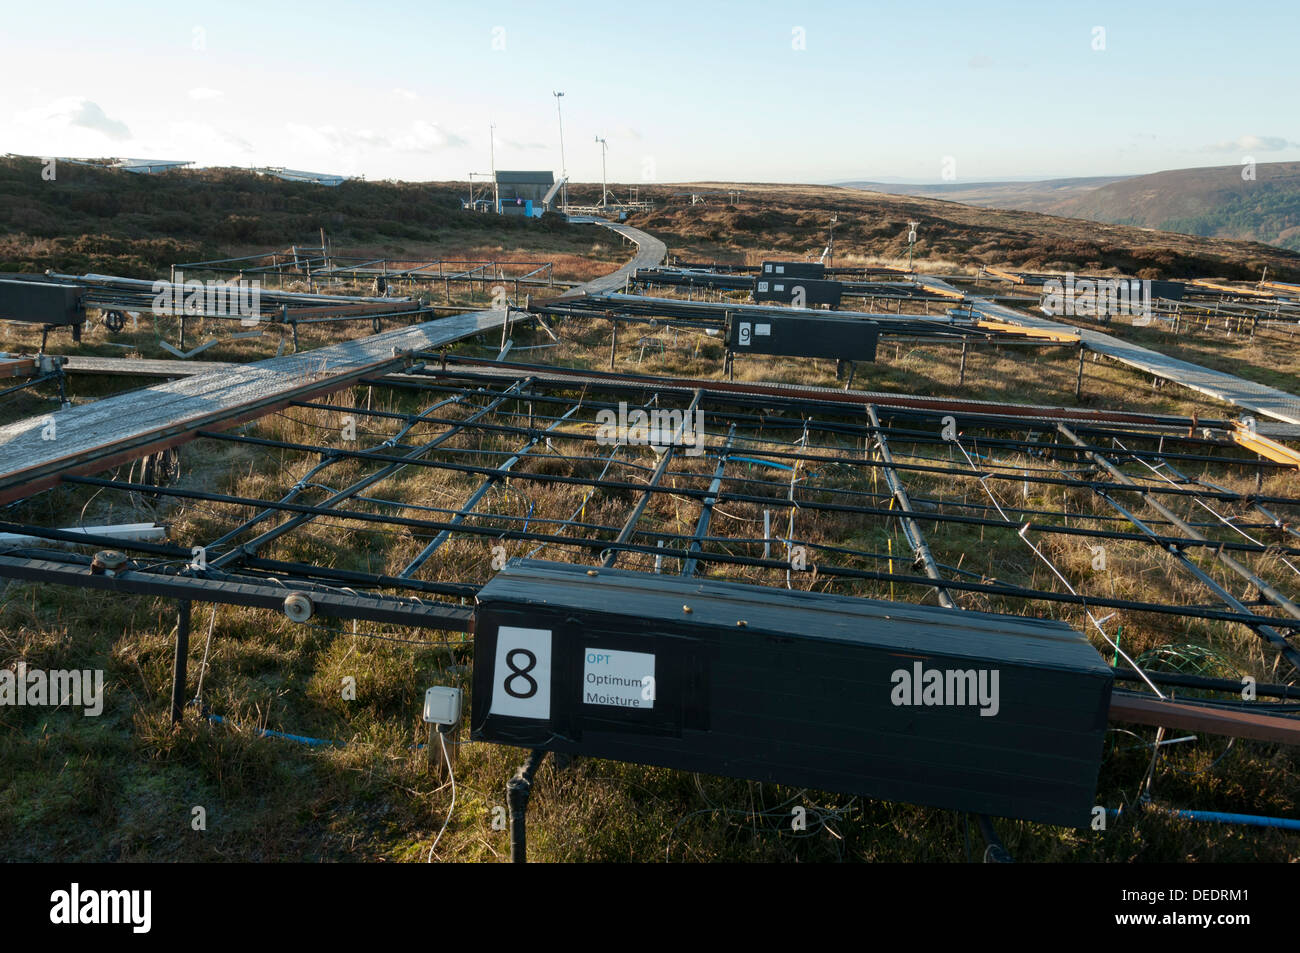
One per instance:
[(523, 193), (526, 178), (793, 687)]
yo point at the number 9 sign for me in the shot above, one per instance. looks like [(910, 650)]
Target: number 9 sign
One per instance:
[(521, 683)]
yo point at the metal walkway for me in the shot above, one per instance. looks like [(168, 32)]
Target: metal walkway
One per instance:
[(36, 452), (1257, 398)]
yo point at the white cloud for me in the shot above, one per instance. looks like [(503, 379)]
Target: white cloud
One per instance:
[(1253, 144), (76, 111), (423, 135), (204, 139), (522, 146), (419, 136), (204, 94), (405, 94), (334, 139)]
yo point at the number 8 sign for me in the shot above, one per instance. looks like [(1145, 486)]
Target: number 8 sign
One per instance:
[(521, 683)]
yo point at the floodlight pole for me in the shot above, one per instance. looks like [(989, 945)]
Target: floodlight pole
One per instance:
[(604, 148), (564, 172)]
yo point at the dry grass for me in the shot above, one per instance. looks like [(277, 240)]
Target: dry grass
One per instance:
[(123, 786)]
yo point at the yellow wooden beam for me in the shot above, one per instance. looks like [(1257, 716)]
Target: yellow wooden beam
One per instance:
[(1063, 337), (946, 292), (1270, 449), (1005, 275), (1218, 286)]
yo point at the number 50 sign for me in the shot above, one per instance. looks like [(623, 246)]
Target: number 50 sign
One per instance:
[(521, 683)]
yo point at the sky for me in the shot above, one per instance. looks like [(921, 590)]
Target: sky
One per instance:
[(922, 91)]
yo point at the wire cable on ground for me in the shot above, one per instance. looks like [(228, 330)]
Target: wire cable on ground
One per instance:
[(442, 741)]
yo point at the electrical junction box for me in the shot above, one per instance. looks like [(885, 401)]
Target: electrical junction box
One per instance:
[(442, 705), (1000, 715), (798, 335)]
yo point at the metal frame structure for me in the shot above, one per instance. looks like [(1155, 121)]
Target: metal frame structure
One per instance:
[(523, 446), (872, 494)]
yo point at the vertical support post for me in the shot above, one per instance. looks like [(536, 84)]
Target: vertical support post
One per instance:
[(613, 342), (1078, 381), (179, 662), (961, 374)]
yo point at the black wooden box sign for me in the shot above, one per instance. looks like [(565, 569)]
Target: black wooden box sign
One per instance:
[(815, 334), (800, 292), (995, 714), (40, 301), (793, 269)]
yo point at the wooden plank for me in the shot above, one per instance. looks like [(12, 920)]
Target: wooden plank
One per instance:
[(1257, 398), (1256, 726), (142, 367), (1048, 334), (1219, 286), (1269, 449), (1004, 275)]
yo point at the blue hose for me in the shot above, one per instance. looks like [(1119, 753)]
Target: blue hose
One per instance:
[(268, 733), (1219, 817), (763, 463)]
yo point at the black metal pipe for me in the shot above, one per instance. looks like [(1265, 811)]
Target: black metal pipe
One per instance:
[(703, 492), (518, 790), (1183, 680), (1249, 618)]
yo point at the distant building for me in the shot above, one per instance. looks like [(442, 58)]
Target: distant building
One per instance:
[(150, 166), (295, 175), (139, 166), (524, 193)]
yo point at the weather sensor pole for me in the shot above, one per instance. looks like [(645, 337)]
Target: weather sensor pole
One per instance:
[(604, 148), (911, 240), (564, 172), (492, 147), (828, 253)]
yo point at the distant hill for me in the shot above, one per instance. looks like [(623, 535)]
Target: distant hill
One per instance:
[(1212, 202), (1049, 196), (783, 220)]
